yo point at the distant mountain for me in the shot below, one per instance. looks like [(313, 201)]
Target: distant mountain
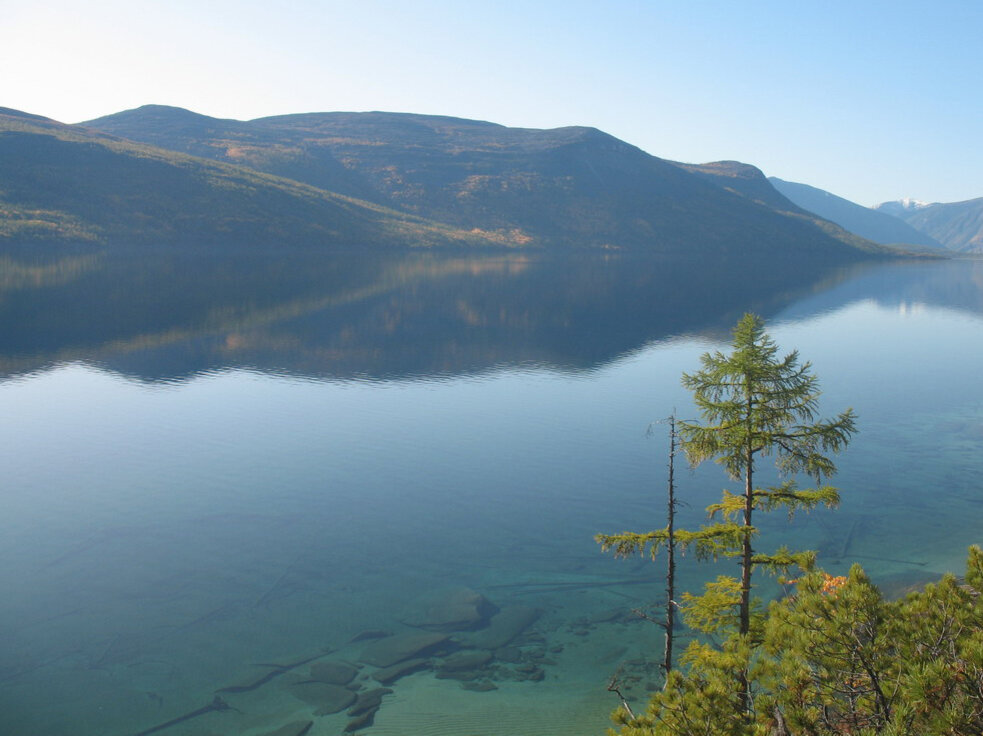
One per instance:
[(568, 187), (901, 207), (749, 182), (71, 184), (957, 225), (874, 225)]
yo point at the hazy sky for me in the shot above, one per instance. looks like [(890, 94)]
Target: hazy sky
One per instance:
[(870, 100)]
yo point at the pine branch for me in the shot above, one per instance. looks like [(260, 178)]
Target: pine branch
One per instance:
[(780, 561), (629, 543), (789, 497), (709, 542)]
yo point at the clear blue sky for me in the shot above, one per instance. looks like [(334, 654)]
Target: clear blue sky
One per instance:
[(870, 100)]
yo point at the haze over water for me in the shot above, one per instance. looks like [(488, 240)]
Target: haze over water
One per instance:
[(211, 468)]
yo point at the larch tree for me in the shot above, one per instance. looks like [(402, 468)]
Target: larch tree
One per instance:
[(755, 404), (834, 657)]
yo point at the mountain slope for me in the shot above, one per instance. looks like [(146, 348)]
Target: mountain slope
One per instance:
[(60, 182), (743, 179), (564, 187), (957, 225), (749, 182), (871, 224)]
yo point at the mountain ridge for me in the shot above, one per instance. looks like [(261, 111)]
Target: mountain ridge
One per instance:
[(375, 177), (746, 180), (957, 225), (864, 221), (70, 183)]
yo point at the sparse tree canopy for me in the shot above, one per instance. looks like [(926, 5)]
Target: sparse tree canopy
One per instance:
[(838, 659), (834, 657), (754, 404)]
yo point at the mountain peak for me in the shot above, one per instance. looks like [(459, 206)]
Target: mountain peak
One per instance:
[(957, 225), (904, 205), (158, 117), (734, 169), (11, 113), (743, 179)]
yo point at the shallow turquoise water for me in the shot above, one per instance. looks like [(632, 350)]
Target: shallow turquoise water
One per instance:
[(182, 504)]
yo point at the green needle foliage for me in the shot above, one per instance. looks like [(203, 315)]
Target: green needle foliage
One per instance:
[(755, 404), (843, 660), (834, 657), (837, 659)]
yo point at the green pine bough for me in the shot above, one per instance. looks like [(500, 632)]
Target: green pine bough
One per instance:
[(834, 656)]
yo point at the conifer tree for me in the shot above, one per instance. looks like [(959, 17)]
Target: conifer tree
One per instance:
[(671, 504), (833, 658), (627, 543), (842, 659), (755, 404)]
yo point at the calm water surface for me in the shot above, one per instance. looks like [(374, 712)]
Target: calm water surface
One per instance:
[(212, 469)]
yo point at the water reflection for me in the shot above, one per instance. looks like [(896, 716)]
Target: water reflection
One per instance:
[(160, 545), (344, 316)]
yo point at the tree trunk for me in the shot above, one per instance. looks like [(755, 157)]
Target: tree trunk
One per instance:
[(746, 556), (746, 550), (671, 552)]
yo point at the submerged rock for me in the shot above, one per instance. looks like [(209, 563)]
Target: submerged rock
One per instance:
[(610, 615), (464, 666), (370, 700), (461, 675), (469, 660), (482, 686), (363, 721), (461, 609), (504, 627), (509, 654), (529, 672), (325, 697), (389, 675), (297, 728), (333, 673), (394, 649), (370, 634)]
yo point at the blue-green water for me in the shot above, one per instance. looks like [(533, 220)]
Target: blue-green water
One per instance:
[(202, 475)]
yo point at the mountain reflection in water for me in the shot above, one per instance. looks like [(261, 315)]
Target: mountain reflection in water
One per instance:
[(218, 461), (396, 316)]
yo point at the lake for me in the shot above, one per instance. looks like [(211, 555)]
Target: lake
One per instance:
[(221, 469)]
